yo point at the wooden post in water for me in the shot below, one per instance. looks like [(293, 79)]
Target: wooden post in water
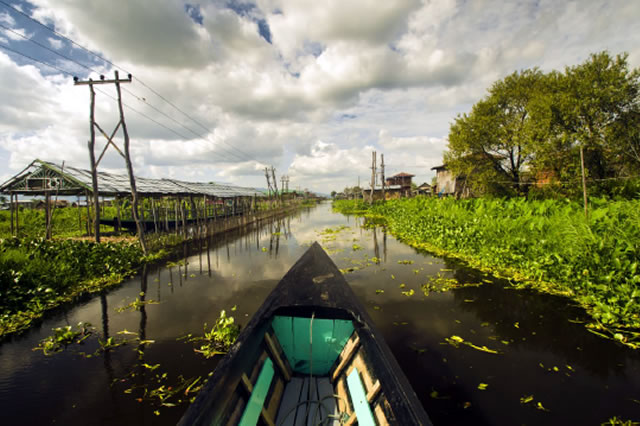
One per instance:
[(166, 214), (79, 213), (153, 211), (382, 176), (47, 214), (175, 204), (142, 218), (184, 220), (11, 209), (373, 176), (118, 218), (17, 216), (86, 196)]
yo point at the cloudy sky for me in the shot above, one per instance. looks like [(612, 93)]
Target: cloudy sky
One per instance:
[(223, 88)]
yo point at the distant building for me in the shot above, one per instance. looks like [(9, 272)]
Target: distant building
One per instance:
[(424, 189), (402, 179), (449, 184)]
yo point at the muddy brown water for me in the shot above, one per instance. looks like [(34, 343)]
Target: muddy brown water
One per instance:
[(544, 353)]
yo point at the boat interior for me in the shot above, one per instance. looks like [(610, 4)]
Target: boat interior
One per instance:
[(308, 370)]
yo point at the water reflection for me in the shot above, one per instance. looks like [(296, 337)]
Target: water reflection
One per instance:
[(528, 329)]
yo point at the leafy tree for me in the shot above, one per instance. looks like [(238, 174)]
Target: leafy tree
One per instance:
[(532, 125), (333, 194), (595, 106), (492, 145)]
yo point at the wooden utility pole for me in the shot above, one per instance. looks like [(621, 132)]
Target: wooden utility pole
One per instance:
[(266, 174), (373, 176), (382, 175), (584, 182), (275, 182), (94, 165)]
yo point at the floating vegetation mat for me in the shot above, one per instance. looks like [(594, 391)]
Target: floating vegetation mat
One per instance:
[(440, 284)]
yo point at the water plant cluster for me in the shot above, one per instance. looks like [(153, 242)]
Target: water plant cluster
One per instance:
[(37, 275), (147, 382), (219, 339), (547, 244)]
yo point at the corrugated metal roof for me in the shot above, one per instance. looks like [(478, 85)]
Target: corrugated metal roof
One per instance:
[(109, 184)]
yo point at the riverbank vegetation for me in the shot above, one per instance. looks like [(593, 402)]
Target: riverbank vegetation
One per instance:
[(38, 275), (545, 244)]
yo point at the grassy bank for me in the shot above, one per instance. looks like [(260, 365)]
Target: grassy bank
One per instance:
[(38, 275), (547, 244)]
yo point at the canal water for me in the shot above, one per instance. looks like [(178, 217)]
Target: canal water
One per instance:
[(481, 353)]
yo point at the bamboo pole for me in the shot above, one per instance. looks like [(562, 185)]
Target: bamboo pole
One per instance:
[(153, 211), (184, 221), (118, 218), (11, 208), (165, 203), (86, 194), (17, 216), (47, 214), (175, 204), (79, 213)]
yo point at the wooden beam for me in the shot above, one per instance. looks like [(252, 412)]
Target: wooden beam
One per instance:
[(345, 357), (91, 82), (11, 208), (271, 345), (266, 417)]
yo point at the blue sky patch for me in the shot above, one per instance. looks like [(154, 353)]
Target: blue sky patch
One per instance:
[(194, 12)]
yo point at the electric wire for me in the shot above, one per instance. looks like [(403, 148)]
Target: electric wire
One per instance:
[(224, 157), (244, 154), (35, 60), (46, 47)]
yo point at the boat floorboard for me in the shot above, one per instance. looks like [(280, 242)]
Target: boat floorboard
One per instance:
[(304, 405)]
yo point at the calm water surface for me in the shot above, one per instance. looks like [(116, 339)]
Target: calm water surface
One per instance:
[(544, 350)]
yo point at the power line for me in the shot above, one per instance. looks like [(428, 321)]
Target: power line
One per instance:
[(244, 154), (18, 11), (143, 100), (101, 91), (92, 70), (47, 48), (204, 139), (35, 60)]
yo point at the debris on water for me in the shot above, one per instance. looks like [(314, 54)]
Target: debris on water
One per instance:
[(435, 395), (526, 399), (540, 407), (456, 341)]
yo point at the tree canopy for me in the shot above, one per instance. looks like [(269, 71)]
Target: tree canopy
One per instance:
[(531, 126)]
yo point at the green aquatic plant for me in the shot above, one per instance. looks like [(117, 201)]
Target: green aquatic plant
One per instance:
[(29, 285), (219, 339), (136, 305), (63, 337), (548, 245)]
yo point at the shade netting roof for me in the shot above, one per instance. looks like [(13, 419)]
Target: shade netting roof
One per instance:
[(42, 176)]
